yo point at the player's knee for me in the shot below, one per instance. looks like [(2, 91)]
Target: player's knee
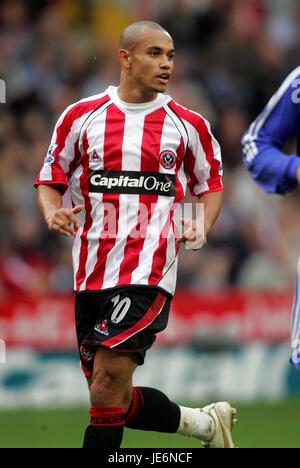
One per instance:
[(101, 389), (109, 387)]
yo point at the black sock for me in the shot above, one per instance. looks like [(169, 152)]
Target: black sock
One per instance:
[(109, 437), (151, 410)]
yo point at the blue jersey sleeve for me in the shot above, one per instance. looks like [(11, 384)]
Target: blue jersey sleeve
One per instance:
[(262, 143)]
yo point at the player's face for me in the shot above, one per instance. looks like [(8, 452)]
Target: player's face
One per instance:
[(152, 61)]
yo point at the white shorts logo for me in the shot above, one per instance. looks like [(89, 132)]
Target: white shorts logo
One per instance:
[(121, 308)]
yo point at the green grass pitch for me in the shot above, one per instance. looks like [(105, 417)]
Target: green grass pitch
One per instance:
[(259, 425)]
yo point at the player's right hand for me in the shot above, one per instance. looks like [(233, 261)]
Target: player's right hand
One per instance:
[(62, 220), (193, 236)]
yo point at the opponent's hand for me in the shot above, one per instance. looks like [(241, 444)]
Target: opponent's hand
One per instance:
[(61, 220), (193, 237)]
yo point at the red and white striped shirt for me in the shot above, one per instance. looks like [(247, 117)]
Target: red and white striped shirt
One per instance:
[(128, 156)]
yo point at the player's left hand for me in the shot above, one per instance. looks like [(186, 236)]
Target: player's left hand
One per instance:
[(193, 237)]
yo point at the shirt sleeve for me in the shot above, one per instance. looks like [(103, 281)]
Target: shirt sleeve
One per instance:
[(61, 153), (203, 163), (262, 143)]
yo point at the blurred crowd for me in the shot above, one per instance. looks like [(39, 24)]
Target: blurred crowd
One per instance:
[(231, 56)]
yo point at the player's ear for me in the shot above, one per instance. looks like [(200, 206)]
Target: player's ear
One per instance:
[(125, 58)]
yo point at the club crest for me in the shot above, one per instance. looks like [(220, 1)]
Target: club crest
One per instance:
[(167, 159)]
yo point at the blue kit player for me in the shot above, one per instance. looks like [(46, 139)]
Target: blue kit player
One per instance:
[(272, 169)]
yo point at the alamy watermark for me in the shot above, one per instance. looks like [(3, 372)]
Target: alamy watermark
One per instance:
[(150, 221), (2, 352), (2, 92)]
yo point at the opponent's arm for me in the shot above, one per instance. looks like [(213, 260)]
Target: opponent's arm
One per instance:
[(58, 219), (263, 142)]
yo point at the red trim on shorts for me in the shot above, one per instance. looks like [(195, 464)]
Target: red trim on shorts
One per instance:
[(141, 396), (135, 404), (149, 317), (107, 416), (85, 371)]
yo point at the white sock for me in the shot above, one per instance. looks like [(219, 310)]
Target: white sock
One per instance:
[(195, 422)]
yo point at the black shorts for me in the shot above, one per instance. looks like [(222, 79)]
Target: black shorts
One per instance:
[(122, 319)]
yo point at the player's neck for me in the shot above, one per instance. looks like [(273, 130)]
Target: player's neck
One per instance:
[(135, 95)]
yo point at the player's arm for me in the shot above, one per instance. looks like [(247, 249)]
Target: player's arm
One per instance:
[(203, 164), (53, 179), (212, 206), (263, 142), (58, 219)]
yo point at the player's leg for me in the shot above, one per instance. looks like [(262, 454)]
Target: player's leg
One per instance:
[(110, 389), (152, 410), (112, 378)]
